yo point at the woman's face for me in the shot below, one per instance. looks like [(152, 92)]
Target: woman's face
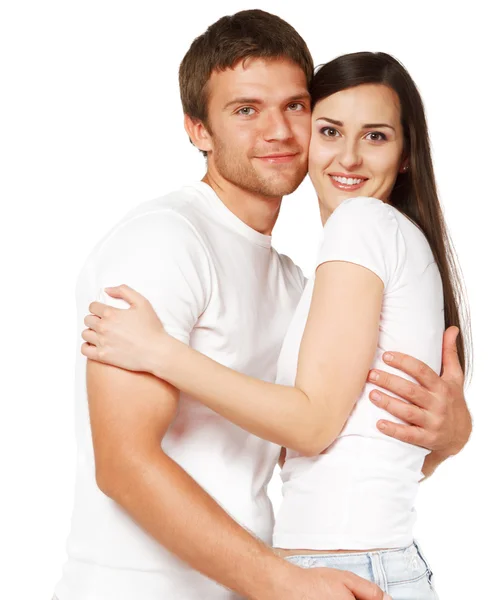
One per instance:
[(356, 145)]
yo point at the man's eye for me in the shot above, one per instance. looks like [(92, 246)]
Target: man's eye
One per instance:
[(296, 106), (245, 111)]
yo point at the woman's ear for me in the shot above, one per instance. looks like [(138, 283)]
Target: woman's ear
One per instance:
[(404, 165), (198, 133)]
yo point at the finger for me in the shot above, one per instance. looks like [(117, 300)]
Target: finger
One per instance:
[(101, 310), (410, 434), (90, 351), (417, 369), (408, 390), (412, 415), (451, 367), (92, 322), (90, 336), (131, 296), (362, 589)]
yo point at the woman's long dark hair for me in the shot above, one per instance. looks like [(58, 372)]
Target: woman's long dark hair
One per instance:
[(415, 191)]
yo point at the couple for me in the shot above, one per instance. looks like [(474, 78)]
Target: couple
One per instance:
[(170, 497)]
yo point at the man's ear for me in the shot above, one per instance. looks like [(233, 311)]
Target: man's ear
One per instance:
[(198, 134)]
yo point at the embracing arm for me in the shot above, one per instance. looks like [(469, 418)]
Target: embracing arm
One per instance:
[(436, 416), (130, 413), (335, 355)]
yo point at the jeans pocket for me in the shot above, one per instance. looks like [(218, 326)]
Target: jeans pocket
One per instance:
[(423, 558)]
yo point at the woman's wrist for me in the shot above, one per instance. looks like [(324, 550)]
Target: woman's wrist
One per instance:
[(159, 355)]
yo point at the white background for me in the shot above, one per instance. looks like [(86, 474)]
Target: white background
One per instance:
[(91, 125)]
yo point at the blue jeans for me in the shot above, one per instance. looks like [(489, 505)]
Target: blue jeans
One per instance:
[(402, 573)]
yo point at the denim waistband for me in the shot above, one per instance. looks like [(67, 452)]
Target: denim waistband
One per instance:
[(392, 566)]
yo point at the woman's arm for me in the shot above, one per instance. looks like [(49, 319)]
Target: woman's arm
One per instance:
[(336, 353)]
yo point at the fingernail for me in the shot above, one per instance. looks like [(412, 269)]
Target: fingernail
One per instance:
[(387, 357), (375, 396), (374, 376), (382, 425)]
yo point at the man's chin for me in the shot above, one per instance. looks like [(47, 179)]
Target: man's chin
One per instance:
[(281, 186)]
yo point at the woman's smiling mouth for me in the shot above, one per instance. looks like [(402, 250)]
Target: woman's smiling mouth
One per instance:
[(347, 182)]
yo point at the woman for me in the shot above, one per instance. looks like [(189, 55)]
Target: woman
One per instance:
[(384, 278)]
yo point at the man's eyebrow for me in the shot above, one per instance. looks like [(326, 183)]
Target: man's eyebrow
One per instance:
[(365, 126), (243, 101), (302, 96), (246, 100)]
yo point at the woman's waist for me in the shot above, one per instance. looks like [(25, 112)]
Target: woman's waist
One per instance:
[(360, 454)]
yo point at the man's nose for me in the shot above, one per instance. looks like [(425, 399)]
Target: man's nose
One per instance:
[(277, 127)]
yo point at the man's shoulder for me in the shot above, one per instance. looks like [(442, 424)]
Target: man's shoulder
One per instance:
[(175, 208), (169, 218), (169, 226)]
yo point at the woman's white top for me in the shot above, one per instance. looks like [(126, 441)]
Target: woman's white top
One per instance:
[(359, 494)]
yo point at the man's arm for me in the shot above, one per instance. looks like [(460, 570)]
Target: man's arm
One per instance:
[(437, 416), (129, 414)]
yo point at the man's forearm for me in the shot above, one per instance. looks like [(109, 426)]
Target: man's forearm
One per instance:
[(177, 512)]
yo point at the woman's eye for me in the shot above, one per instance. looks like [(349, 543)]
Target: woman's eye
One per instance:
[(376, 136), (245, 111), (329, 132)]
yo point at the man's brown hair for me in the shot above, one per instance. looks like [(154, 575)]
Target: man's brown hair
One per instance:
[(231, 39)]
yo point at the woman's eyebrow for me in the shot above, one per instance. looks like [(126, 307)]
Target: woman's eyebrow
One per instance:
[(370, 125), (366, 126), (332, 121)]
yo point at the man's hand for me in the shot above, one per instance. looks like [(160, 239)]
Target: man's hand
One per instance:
[(325, 584), (436, 414)]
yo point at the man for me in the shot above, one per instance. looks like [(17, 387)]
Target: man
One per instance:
[(165, 487)]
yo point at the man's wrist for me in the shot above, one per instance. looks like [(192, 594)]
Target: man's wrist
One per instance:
[(462, 439), (277, 579)]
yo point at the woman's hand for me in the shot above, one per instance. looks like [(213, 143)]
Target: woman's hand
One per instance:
[(132, 339)]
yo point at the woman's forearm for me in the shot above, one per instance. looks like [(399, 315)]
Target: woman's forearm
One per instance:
[(281, 414)]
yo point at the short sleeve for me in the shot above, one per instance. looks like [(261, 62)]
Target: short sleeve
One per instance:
[(162, 257), (366, 232)]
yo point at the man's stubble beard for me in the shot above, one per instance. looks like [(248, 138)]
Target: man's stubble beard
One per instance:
[(242, 174)]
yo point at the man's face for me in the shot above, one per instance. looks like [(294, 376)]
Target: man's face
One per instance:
[(260, 126)]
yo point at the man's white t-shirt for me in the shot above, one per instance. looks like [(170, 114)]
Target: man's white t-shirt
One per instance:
[(219, 286), (360, 493)]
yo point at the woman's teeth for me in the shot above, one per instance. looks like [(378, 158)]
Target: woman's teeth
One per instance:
[(347, 180)]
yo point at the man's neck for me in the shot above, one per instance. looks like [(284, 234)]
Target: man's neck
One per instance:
[(257, 211)]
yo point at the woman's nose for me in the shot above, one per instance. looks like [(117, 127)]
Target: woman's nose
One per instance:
[(350, 157)]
